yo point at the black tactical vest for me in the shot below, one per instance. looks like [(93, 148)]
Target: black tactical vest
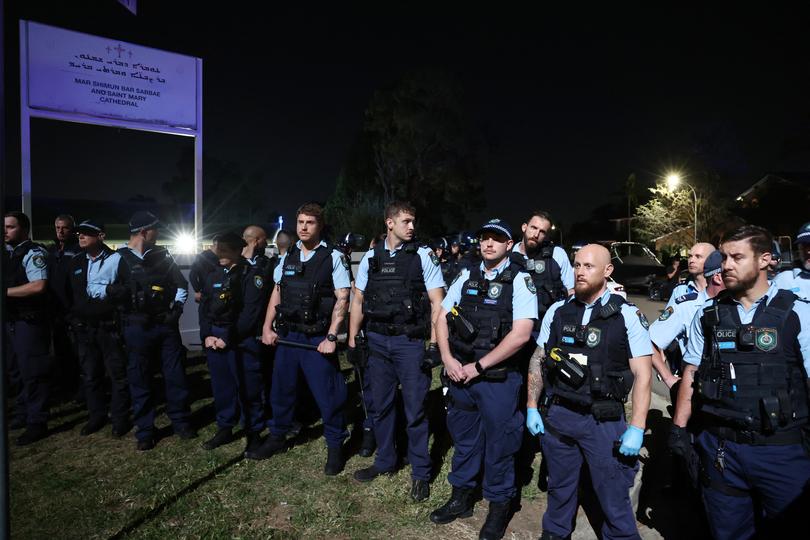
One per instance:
[(152, 291), (30, 307), (546, 274), (83, 307), (226, 293), (751, 377), (487, 304), (395, 301), (307, 292), (603, 340)]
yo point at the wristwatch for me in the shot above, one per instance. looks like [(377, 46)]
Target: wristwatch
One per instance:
[(478, 367), (331, 337)]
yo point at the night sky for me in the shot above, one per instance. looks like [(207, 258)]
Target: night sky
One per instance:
[(571, 102)]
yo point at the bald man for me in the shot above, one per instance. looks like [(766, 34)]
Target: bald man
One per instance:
[(592, 351)]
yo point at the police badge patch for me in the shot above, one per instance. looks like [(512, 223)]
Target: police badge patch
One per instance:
[(642, 319), (38, 261), (766, 339), (344, 261), (495, 290), (593, 338), (539, 266), (530, 285), (258, 281), (666, 313), (433, 258)]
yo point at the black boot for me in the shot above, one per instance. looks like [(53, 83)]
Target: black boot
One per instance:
[(32, 434), (548, 536), (497, 520), (93, 425), (271, 445), (254, 442), (334, 461), (460, 505), (222, 436), (369, 443)]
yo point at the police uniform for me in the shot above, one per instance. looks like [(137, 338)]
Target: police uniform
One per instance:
[(796, 280), (551, 272), (98, 337), (154, 291), (308, 285), (483, 417), (232, 309), (583, 422), (751, 388), (27, 337), (203, 264), (397, 315)]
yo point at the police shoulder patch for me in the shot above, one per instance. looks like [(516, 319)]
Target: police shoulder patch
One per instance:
[(258, 281), (666, 313), (686, 297), (344, 261), (38, 260), (433, 258), (642, 319), (530, 284)]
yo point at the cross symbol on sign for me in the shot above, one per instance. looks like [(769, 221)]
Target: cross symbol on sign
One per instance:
[(120, 49)]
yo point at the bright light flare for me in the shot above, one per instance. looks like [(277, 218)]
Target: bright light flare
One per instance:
[(185, 244), (673, 180)]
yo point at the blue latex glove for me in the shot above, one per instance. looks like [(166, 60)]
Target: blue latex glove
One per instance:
[(534, 422), (631, 441)]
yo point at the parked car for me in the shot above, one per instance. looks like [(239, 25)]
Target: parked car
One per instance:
[(634, 265), (616, 288)]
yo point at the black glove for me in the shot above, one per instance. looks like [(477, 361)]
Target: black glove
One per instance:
[(433, 357), (172, 317), (679, 441)]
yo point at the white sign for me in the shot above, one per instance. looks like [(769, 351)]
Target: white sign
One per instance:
[(78, 73)]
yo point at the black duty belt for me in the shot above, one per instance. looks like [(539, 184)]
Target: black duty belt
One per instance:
[(392, 329), (779, 438), (572, 405)]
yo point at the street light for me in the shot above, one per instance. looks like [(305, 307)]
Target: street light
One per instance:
[(673, 181)]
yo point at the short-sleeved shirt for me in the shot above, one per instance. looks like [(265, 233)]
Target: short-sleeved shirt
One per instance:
[(35, 263), (559, 255), (796, 281), (680, 291), (675, 322), (340, 266), (524, 302), (694, 348), (431, 268), (637, 337), (101, 271), (182, 292)]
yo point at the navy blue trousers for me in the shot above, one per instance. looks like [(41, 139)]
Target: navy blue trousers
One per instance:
[(777, 476), (29, 365), (394, 361), (99, 350), (325, 380), (145, 345), (583, 438), (236, 379), (487, 429)]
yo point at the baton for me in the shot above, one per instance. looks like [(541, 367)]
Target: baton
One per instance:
[(296, 344)]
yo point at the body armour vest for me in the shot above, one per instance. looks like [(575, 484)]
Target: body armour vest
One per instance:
[(603, 340), (546, 275), (487, 306), (307, 292), (395, 300), (30, 307), (226, 294), (151, 289), (751, 377), (86, 308)]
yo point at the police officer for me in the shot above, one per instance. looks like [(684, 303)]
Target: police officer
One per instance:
[(450, 266), (27, 330), (98, 338), (63, 249), (231, 313), (203, 264), (154, 291), (398, 294), (749, 355), (592, 349), (670, 331), (797, 280), (283, 241), (546, 263), (308, 305), (491, 310)]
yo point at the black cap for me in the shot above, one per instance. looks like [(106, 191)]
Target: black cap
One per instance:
[(498, 226), (230, 239), (90, 227), (803, 236), (713, 264), (141, 221)]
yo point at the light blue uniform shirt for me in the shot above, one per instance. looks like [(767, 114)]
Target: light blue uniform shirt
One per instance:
[(796, 280), (680, 291), (182, 293), (35, 262), (101, 271), (524, 302), (340, 272), (431, 273), (675, 321), (694, 349), (637, 337), (559, 255)]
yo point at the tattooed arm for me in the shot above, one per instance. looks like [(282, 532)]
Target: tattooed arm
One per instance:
[(535, 380)]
